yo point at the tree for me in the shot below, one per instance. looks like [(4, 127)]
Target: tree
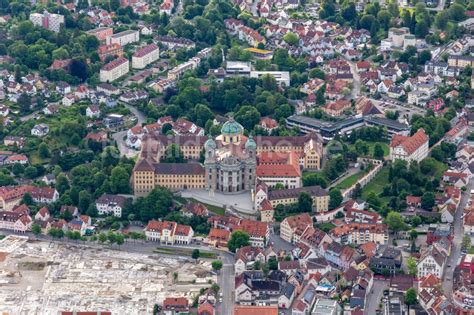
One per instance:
[(273, 263), (84, 200), (291, 39), (36, 229), (119, 239), (413, 234), (395, 221), (31, 172), (43, 150), (305, 202), (421, 29), (466, 242), (428, 200), (120, 180), (17, 169), (248, 116), (217, 265), (411, 265), (349, 12), (411, 297), (384, 18), (155, 205), (196, 254), (173, 154), (62, 183), (335, 198), (27, 199), (237, 240), (378, 151), (361, 147), (314, 179), (415, 221), (102, 238), (166, 127), (24, 101)]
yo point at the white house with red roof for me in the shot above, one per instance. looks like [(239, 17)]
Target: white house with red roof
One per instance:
[(42, 214), (44, 195), (413, 148), (167, 232), (268, 123)]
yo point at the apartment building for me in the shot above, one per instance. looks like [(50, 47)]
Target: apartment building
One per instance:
[(101, 33), (114, 50), (460, 61), (49, 21), (114, 70), (292, 224), (124, 38), (360, 233), (145, 56)]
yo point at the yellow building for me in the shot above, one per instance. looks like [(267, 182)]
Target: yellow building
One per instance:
[(290, 196), (147, 175)]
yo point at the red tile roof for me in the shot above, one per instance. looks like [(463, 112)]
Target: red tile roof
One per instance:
[(114, 64), (145, 50), (410, 144)]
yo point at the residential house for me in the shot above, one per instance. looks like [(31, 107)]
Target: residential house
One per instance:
[(110, 205), (40, 130)]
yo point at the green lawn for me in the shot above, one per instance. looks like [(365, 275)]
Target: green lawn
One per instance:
[(216, 210), (349, 181), (377, 184)]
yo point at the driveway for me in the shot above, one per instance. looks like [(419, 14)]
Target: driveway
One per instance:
[(120, 135), (375, 295), (453, 259)]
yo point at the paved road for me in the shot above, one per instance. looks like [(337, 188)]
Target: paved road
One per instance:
[(119, 136), (355, 93), (375, 295), (30, 116), (456, 248)]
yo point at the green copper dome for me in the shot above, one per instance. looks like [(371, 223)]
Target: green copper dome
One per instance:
[(250, 144), (231, 127), (210, 144)]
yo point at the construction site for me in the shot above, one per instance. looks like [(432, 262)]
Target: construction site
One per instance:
[(38, 277)]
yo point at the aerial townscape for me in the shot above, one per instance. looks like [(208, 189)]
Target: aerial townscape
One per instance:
[(237, 157)]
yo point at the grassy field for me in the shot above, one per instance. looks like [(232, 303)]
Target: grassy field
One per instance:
[(216, 210), (349, 181), (377, 185), (183, 252)]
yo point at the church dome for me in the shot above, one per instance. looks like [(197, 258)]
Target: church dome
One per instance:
[(231, 127), (210, 144), (250, 144)]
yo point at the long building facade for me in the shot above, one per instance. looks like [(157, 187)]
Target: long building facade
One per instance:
[(231, 160)]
